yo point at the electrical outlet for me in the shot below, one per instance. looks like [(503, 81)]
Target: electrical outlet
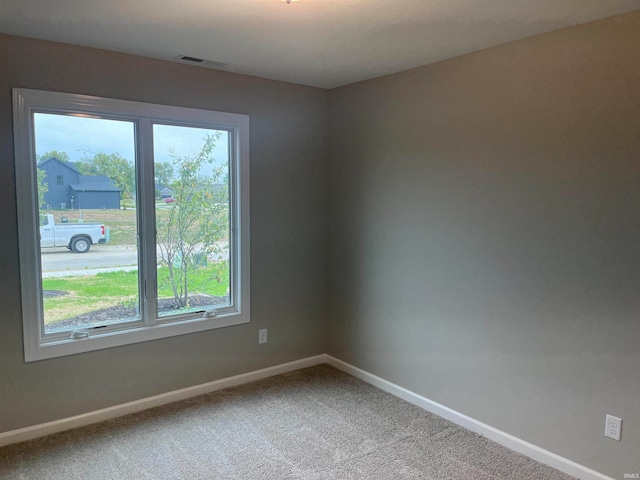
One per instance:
[(613, 427), (262, 335)]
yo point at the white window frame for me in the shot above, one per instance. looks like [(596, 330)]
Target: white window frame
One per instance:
[(40, 346)]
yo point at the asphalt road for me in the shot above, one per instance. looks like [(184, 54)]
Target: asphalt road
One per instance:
[(57, 259), (60, 262)]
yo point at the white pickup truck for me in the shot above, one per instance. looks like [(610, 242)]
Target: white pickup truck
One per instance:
[(77, 237)]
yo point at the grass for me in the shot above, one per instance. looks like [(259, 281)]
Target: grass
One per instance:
[(90, 293)]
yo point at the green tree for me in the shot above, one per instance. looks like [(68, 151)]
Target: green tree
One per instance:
[(64, 156), (120, 170), (164, 173), (196, 221), (43, 187)]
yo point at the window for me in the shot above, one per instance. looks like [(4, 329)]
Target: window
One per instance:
[(148, 239)]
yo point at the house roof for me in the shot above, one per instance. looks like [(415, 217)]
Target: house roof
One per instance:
[(86, 183), (69, 165), (94, 187), (93, 179)]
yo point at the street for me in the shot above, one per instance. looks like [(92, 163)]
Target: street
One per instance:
[(60, 262), (55, 259)]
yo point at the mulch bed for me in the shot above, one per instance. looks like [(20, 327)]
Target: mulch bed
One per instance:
[(117, 313)]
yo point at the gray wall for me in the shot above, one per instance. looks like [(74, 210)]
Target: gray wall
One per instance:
[(93, 199), (485, 236), (288, 234)]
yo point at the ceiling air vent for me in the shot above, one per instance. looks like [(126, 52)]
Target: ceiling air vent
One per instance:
[(201, 62), (191, 59)]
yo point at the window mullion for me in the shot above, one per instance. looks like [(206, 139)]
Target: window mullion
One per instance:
[(146, 235)]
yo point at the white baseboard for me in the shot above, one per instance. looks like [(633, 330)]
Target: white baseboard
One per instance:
[(35, 431), (513, 443)]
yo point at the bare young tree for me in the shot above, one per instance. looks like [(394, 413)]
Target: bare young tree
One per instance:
[(191, 231)]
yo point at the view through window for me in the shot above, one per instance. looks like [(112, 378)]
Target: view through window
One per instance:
[(94, 214), (89, 223), (192, 218)]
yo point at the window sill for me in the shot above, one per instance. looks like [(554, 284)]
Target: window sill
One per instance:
[(117, 338)]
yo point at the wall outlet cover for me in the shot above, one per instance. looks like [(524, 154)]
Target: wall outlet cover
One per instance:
[(613, 427)]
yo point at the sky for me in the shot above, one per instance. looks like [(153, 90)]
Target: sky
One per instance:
[(82, 136)]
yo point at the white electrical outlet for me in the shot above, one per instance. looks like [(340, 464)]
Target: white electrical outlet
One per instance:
[(613, 427), (262, 335)]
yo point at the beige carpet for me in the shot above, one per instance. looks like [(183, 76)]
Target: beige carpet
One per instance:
[(316, 423)]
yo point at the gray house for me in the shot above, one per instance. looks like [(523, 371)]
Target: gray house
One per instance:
[(68, 188), (164, 191)]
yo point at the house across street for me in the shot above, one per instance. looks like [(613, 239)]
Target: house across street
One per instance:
[(68, 188)]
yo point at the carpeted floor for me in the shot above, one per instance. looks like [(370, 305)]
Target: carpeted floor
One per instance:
[(316, 423)]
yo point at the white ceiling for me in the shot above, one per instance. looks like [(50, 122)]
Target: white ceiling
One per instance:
[(325, 43)]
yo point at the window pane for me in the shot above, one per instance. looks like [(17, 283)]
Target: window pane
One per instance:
[(88, 221), (192, 218)]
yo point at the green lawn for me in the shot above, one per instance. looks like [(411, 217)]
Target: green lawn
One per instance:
[(95, 292)]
